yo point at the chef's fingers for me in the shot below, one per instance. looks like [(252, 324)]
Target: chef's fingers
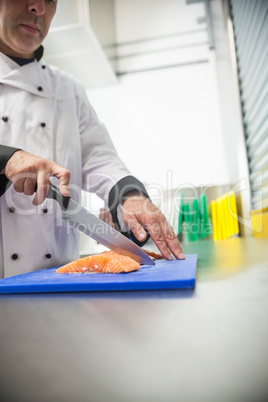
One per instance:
[(154, 228), (23, 166), (42, 187), (64, 178), (132, 222), (171, 240), (106, 217), (29, 185), (24, 183), (164, 237), (18, 183), (132, 211), (161, 232), (139, 213)]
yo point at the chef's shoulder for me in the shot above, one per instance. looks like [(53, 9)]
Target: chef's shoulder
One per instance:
[(64, 83)]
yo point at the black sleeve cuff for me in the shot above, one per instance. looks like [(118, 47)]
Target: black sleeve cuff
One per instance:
[(116, 195), (5, 154)]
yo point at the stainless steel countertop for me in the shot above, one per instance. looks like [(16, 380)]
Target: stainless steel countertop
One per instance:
[(209, 344)]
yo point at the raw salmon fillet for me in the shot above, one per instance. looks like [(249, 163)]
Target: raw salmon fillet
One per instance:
[(154, 256), (106, 262)]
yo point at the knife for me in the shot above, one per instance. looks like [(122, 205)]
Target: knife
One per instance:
[(89, 224)]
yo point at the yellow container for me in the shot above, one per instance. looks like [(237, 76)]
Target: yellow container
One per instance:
[(259, 222)]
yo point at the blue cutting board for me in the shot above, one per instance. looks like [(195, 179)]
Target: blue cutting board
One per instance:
[(176, 274)]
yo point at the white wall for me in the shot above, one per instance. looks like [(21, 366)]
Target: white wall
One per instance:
[(149, 18), (187, 119), (166, 121), (158, 33)]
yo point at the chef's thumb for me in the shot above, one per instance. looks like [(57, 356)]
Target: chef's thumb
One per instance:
[(137, 230), (64, 189)]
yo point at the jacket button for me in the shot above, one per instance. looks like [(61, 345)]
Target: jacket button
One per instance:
[(43, 67), (40, 89), (12, 209), (45, 210), (14, 256), (5, 119), (48, 256), (43, 125)]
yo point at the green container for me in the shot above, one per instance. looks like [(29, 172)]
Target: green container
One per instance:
[(204, 221), (188, 221), (180, 214), (195, 220)]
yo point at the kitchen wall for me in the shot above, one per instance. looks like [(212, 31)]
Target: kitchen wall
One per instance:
[(164, 122), (174, 115), (72, 45)]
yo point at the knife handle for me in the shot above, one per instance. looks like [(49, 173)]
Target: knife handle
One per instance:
[(55, 194)]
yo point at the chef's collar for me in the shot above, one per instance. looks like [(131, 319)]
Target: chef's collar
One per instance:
[(37, 55)]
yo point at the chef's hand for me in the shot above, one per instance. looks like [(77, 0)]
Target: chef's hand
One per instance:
[(106, 217), (26, 170), (138, 213)]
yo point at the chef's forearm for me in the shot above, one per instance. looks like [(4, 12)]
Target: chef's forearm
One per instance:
[(5, 154), (127, 185)]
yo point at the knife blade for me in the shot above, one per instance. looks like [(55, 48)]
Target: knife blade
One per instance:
[(89, 224)]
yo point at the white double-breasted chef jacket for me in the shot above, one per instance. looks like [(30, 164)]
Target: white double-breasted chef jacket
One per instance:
[(47, 113)]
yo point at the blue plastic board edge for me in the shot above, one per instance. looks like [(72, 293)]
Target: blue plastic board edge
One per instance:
[(176, 274)]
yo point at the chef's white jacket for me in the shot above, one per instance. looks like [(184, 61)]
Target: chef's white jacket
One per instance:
[(47, 113)]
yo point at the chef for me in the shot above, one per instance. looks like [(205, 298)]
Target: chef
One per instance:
[(50, 132)]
